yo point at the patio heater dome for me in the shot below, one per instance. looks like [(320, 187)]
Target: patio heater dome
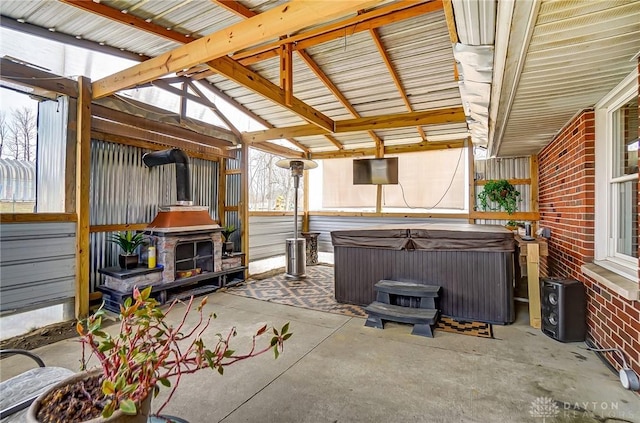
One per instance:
[(296, 247)]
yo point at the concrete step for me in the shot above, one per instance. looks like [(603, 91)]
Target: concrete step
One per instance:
[(423, 320), (407, 294)]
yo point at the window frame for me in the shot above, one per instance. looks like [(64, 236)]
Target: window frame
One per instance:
[(605, 208)]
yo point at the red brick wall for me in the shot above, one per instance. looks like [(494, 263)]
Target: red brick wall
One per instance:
[(566, 204)]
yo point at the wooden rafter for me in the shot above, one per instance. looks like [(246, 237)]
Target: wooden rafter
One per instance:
[(235, 7), (334, 90), (287, 18), (249, 113), (246, 77), (128, 19), (242, 11), (393, 149), (395, 12), (394, 75), (401, 120)]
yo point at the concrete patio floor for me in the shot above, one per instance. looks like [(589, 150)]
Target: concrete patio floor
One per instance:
[(334, 369)]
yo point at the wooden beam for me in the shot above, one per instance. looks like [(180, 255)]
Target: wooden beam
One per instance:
[(282, 19), (524, 181), (451, 21), (159, 128), (395, 12), (28, 76), (70, 157), (401, 120), (235, 7), (394, 75), (392, 149), (248, 112), (260, 85), (286, 73), (110, 127), (149, 145), (128, 19), (37, 217), (83, 178), (277, 150), (504, 215), (118, 228)]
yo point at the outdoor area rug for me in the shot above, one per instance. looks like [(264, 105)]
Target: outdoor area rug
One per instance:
[(314, 292), (480, 329)]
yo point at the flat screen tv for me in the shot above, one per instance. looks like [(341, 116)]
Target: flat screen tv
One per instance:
[(375, 171)]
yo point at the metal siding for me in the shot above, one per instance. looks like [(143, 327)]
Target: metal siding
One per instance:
[(51, 147), (505, 168), (123, 190), (326, 224), (38, 264), (268, 235)]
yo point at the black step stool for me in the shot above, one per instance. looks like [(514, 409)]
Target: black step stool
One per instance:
[(404, 302)]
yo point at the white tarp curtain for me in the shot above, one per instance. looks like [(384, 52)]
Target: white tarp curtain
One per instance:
[(430, 179)]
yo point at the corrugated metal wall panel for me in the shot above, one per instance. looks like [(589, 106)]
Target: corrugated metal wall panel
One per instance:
[(38, 264), (326, 224), (124, 190), (52, 147), (268, 235)]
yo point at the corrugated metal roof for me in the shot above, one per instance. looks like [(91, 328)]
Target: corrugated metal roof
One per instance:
[(579, 51), (419, 48)]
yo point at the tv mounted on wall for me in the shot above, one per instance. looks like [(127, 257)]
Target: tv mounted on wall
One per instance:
[(375, 171)]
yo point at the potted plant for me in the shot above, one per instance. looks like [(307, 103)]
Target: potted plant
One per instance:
[(128, 241), (227, 245), (499, 195), (144, 355)]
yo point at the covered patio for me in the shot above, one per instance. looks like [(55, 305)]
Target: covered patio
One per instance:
[(167, 118)]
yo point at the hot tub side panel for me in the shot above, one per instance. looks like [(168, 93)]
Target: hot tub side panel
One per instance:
[(476, 285)]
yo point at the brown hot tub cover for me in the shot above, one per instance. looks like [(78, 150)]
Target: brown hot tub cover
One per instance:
[(428, 236)]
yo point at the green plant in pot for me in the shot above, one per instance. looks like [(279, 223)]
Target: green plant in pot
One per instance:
[(499, 195), (128, 241), (227, 244), (145, 354)]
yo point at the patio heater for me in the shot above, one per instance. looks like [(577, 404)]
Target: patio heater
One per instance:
[(296, 248)]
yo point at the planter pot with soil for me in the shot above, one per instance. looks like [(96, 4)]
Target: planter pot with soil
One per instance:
[(80, 399)]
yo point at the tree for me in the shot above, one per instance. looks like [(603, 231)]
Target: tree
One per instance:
[(267, 182), (18, 134)]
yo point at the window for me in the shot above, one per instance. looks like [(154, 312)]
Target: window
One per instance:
[(616, 164)]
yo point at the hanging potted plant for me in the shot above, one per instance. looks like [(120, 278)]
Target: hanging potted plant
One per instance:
[(144, 355), (128, 241), (227, 244), (499, 195)]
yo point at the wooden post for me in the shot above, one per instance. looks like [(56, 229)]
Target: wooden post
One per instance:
[(83, 174), (471, 178), (222, 191), (533, 171), (243, 207), (379, 155), (533, 280), (286, 72)]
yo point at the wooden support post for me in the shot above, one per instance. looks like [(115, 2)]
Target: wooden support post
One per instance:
[(379, 155), (243, 207), (533, 280), (286, 72), (83, 174), (471, 178), (533, 172), (222, 191)]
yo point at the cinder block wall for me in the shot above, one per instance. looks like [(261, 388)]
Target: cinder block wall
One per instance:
[(566, 204)]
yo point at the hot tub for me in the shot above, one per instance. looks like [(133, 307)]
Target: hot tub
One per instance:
[(474, 265)]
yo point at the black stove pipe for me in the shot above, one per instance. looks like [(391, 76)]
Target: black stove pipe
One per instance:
[(183, 180)]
